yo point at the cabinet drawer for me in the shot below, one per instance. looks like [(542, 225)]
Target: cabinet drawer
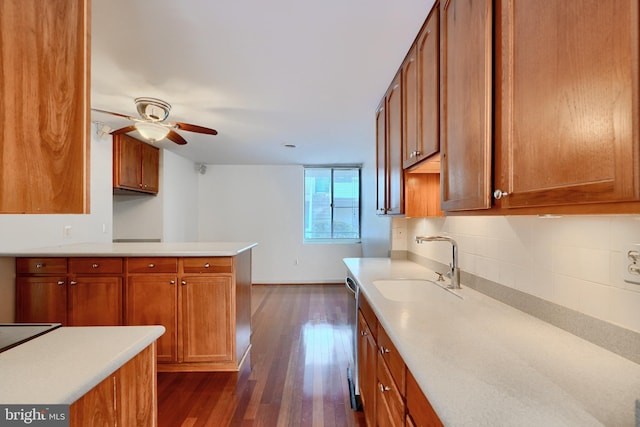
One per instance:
[(41, 265), (152, 265), (389, 404), (95, 265), (208, 265), (391, 357)]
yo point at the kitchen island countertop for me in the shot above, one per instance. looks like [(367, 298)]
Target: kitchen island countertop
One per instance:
[(61, 366), (483, 363), (141, 249)]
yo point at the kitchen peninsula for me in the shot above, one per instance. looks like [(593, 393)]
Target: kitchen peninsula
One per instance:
[(199, 291)]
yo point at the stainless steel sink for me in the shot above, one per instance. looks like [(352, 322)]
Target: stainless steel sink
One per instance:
[(409, 290)]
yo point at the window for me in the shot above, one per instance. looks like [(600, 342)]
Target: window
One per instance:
[(332, 203)]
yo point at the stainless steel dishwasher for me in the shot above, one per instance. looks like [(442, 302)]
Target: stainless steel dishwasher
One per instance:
[(352, 369)]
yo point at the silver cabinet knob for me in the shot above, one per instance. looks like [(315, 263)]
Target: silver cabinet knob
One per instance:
[(151, 265), (183, 283), (60, 282), (40, 265), (499, 194), (73, 282), (95, 265), (172, 282), (383, 387), (383, 350), (207, 265)]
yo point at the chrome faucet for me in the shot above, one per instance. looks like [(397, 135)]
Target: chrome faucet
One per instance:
[(454, 273)]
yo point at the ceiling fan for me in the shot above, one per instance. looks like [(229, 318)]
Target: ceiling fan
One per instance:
[(152, 126)]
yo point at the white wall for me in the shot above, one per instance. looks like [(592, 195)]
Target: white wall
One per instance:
[(180, 203), (265, 204), (31, 231), (574, 261)]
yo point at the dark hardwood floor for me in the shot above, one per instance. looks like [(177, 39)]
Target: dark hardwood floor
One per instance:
[(296, 374)]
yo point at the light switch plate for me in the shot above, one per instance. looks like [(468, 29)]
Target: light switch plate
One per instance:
[(632, 264)]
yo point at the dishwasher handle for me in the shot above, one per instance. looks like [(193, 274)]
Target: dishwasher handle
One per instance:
[(351, 285)]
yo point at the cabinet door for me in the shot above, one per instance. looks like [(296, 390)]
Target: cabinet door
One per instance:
[(381, 158), (419, 410), (41, 299), (428, 48), (466, 103), (568, 102), (150, 158), (152, 299), (207, 318), (390, 410), (395, 194), (44, 113), (127, 166), (367, 352), (95, 301), (411, 143)]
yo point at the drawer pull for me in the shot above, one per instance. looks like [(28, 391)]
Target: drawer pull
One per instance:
[(383, 388), (207, 265), (41, 265), (383, 350), (151, 265), (95, 265)]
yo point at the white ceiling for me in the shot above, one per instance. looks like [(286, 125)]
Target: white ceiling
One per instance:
[(262, 73)]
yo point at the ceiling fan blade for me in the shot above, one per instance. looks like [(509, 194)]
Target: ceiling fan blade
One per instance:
[(195, 128), (112, 113), (175, 137), (125, 129)]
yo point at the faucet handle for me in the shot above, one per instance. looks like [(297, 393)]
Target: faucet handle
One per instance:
[(440, 277)]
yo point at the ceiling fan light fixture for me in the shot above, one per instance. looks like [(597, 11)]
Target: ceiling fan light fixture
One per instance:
[(152, 131)]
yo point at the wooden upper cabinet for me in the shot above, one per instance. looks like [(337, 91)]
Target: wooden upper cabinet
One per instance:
[(421, 95), (135, 165), (567, 102), (411, 143), (466, 103), (381, 158), (44, 106), (390, 182)]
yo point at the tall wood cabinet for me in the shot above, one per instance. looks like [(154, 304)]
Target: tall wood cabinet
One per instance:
[(567, 102), (136, 165), (44, 106), (466, 103)]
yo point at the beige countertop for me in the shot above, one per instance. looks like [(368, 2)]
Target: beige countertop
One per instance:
[(64, 364), (483, 363), (133, 249)]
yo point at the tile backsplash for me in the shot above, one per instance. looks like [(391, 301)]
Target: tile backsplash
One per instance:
[(574, 261)]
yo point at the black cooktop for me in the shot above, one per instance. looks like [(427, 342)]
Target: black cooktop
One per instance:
[(13, 334)]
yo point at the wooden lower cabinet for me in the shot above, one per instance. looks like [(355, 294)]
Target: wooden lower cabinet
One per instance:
[(128, 397), (389, 392), (79, 292), (203, 302)]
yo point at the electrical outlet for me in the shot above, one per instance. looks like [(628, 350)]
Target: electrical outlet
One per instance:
[(632, 264)]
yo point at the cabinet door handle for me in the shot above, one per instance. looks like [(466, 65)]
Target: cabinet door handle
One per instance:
[(60, 282), (172, 282), (73, 282), (207, 265), (95, 265), (140, 185), (151, 265), (363, 333), (383, 388), (183, 283), (383, 350), (499, 194)]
